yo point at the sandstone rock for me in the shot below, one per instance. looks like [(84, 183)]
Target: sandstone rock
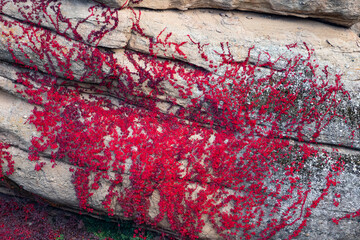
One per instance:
[(342, 12), (14, 113), (356, 28), (242, 31), (85, 66), (195, 29), (337, 132), (131, 77), (81, 64), (50, 53), (80, 20), (115, 3), (55, 183)]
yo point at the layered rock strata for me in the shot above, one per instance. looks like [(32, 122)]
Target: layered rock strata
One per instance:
[(96, 49)]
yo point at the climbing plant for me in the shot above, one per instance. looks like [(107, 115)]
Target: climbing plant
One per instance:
[(229, 150)]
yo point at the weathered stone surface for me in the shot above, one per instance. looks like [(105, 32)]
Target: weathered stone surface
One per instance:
[(266, 34), (342, 12), (55, 183), (115, 3), (14, 112), (38, 49), (84, 60), (337, 132), (334, 46), (356, 29), (83, 21), (52, 182), (71, 60)]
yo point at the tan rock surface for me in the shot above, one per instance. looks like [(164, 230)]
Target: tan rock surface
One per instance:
[(55, 183), (43, 50), (356, 29), (80, 20), (335, 46), (115, 3), (342, 12)]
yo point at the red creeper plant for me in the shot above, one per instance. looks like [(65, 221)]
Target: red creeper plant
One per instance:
[(222, 158), (5, 156), (53, 14)]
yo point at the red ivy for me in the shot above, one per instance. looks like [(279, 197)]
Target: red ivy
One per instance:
[(213, 155)]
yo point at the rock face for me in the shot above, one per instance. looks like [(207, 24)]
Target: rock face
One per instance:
[(344, 13), (242, 31), (83, 21), (356, 28), (204, 123)]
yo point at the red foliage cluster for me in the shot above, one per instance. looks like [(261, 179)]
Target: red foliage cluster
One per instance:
[(16, 220), (5, 156), (24, 219), (216, 159), (48, 13)]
